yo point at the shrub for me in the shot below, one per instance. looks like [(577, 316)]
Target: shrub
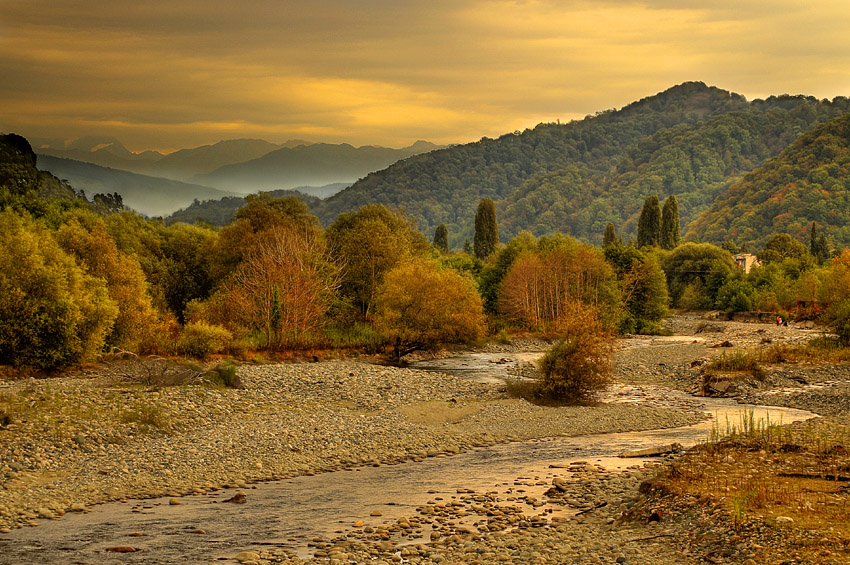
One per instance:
[(224, 374), (577, 367), (838, 319), (200, 339)]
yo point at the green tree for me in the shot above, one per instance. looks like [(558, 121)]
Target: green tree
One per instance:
[(782, 246), (670, 223), (421, 306), (52, 314), (702, 266), (649, 224), (441, 238), (366, 244), (486, 229), (610, 238), (818, 245)]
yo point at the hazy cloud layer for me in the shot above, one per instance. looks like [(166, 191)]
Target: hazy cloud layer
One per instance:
[(173, 74)]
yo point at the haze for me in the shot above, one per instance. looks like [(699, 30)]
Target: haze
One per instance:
[(169, 74)]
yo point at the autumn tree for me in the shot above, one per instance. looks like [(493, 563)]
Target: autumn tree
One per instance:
[(86, 238), (541, 287), (284, 285), (366, 244), (486, 229), (441, 238), (422, 306), (52, 314), (670, 223)]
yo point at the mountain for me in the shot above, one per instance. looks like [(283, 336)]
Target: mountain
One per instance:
[(316, 164), (20, 177), (179, 165), (808, 182), (691, 140), (152, 196)]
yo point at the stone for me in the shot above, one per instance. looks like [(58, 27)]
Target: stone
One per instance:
[(121, 549), (245, 556), (784, 520), (174, 502)]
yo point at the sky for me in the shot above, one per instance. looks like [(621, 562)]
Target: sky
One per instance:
[(169, 74)]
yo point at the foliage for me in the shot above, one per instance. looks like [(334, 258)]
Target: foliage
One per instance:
[(702, 267), (366, 244), (643, 288), (578, 366), (838, 319), (486, 229), (52, 314), (670, 223), (610, 238), (782, 246), (818, 245), (441, 238), (200, 339), (422, 306), (498, 265), (542, 286), (649, 224), (225, 375), (808, 182)]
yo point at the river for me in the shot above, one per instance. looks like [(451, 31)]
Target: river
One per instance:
[(291, 513)]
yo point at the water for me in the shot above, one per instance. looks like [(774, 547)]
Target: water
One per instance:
[(291, 513)]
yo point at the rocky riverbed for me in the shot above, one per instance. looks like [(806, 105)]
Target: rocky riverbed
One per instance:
[(76, 442)]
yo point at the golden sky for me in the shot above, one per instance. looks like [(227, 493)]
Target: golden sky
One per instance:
[(166, 74)]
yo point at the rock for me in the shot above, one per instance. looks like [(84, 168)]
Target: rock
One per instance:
[(246, 556), (375, 513), (121, 549), (653, 451), (238, 498), (784, 520), (174, 502)]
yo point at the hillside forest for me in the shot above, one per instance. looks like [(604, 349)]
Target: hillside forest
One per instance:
[(79, 278)]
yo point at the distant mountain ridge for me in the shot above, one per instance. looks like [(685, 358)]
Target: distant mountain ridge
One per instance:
[(152, 196), (316, 164)]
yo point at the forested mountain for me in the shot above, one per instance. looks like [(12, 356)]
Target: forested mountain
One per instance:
[(19, 174), (152, 196), (690, 140), (808, 182), (316, 164)]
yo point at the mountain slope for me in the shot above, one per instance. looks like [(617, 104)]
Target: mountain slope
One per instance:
[(153, 196), (691, 140), (444, 186), (694, 161), (316, 164), (808, 182)]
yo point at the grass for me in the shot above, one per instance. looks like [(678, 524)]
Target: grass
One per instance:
[(738, 362), (774, 482)]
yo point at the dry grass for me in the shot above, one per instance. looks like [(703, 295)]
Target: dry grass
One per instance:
[(759, 475)]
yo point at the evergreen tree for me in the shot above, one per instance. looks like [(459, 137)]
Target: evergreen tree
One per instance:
[(670, 223), (610, 238), (649, 224), (486, 230), (818, 245), (467, 247), (441, 238)]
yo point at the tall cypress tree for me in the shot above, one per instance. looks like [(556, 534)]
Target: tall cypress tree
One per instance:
[(610, 238), (441, 238), (649, 224), (670, 223), (486, 230)]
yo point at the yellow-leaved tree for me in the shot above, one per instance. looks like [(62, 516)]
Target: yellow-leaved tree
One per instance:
[(422, 305)]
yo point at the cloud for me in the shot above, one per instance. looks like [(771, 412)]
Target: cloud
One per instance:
[(169, 74)]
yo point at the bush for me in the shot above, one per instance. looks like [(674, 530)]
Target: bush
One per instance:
[(200, 339), (838, 319), (224, 374), (577, 367)]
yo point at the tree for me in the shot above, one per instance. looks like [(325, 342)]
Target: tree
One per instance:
[(284, 285), (421, 306), (52, 314), (782, 246), (643, 287), (670, 223), (486, 230), (702, 266), (441, 238), (649, 223), (610, 238), (818, 245), (366, 244)]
